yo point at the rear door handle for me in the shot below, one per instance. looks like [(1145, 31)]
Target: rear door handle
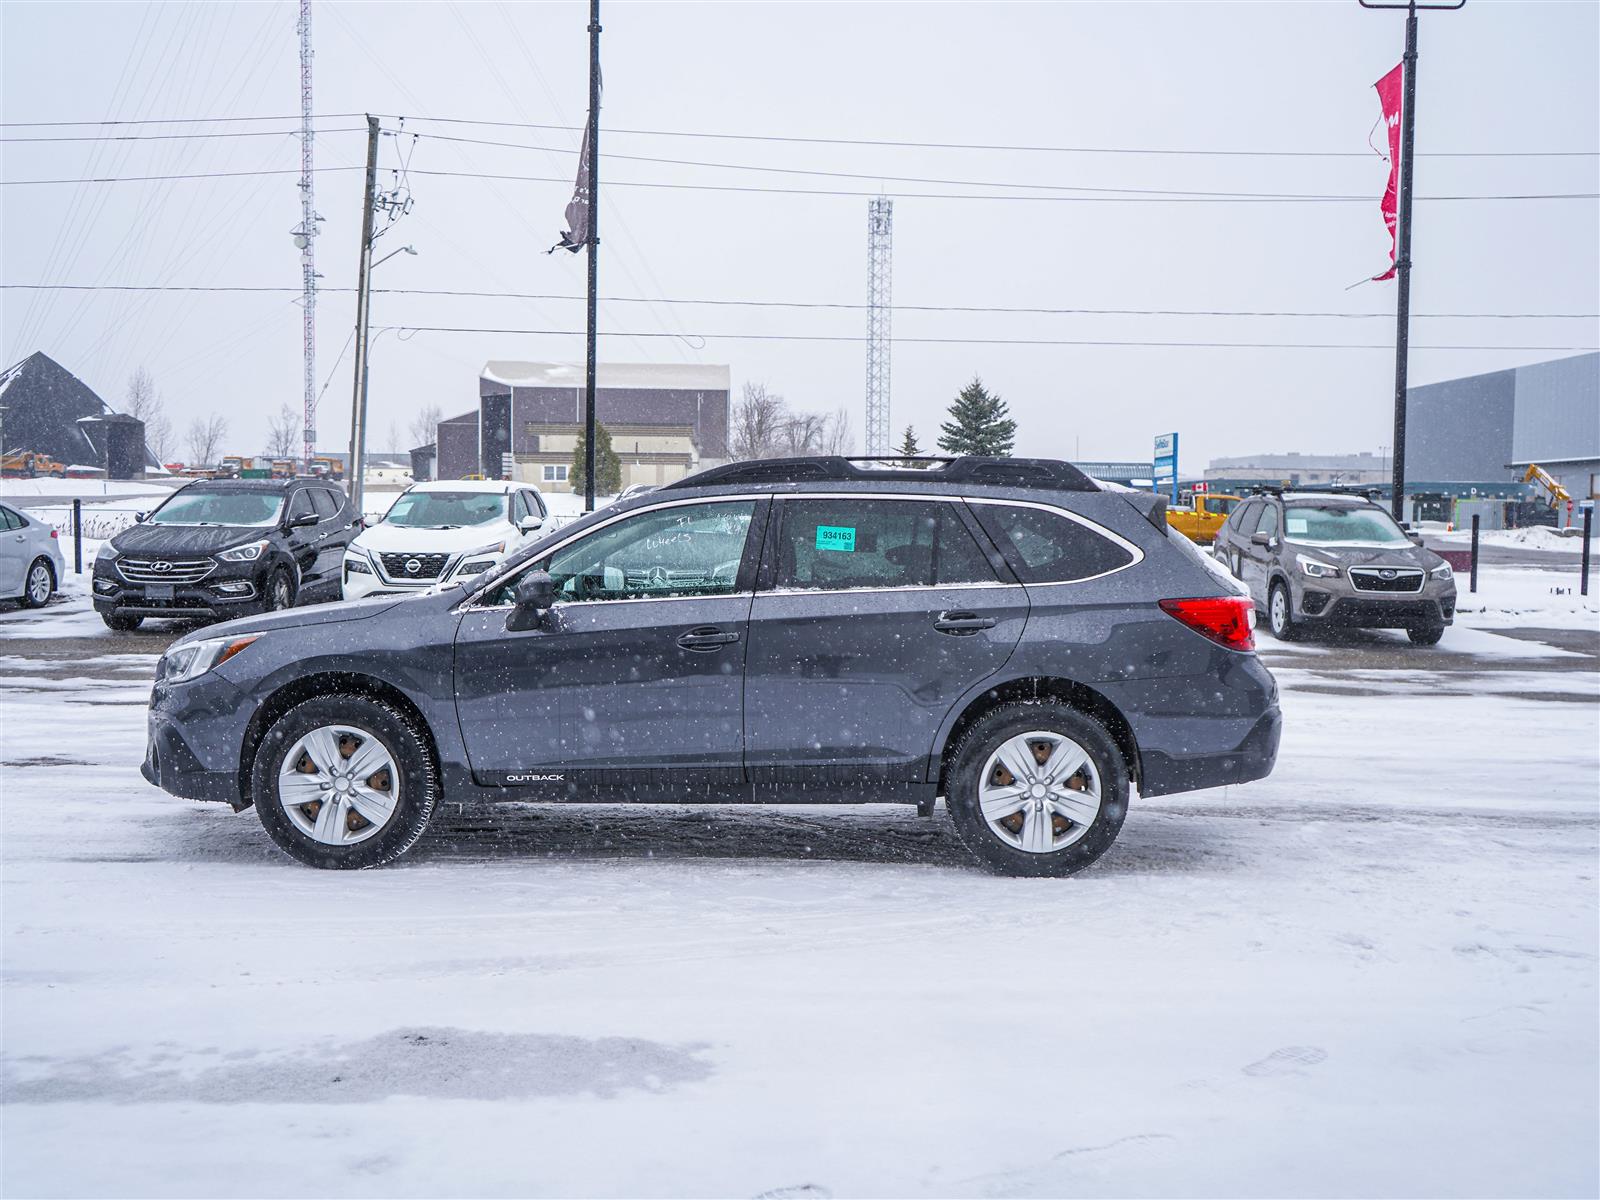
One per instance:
[(959, 623), (707, 638)]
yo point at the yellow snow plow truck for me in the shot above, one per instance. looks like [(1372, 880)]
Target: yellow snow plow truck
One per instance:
[(1201, 515)]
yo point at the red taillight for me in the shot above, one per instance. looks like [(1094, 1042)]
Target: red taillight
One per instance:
[(55, 533), (1227, 620)]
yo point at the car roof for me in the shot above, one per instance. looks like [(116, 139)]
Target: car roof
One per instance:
[(773, 474), (495, 486), (1330, 498), (240, 485)]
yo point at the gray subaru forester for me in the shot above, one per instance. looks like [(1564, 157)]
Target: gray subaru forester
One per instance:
[(1000, 632)]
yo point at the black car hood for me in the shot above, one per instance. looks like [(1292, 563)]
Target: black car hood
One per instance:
[(185, 541)]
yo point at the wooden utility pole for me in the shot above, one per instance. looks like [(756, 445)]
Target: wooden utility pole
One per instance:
[(594, 252), (358, 405)]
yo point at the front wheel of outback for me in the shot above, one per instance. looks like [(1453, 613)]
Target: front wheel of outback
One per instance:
[(344, 782), (1037, 789)]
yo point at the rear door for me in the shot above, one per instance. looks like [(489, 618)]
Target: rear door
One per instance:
[(13, 552), (873, 615)]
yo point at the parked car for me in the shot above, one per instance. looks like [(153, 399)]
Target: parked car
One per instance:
[(441, 531), (31, 566), (998, 632), (1315, 559), (217, 549)]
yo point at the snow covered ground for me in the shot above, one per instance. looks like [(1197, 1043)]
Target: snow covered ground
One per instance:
[(1373, 973)]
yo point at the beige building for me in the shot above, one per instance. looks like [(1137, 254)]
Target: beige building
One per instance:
[(649, 454)]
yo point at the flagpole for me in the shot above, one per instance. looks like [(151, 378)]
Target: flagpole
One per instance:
[(1402, 258), (594, 252)]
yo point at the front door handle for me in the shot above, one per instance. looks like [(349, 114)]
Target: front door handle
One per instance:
[(707, 638), (960, 623)]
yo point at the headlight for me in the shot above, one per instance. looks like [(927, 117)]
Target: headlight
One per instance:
[(105, 552), (1442, 571), (480, 560), (356, 564), (246, 553), (196, 658), (1315, 569)]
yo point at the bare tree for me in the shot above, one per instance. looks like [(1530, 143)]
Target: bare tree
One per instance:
[(143, 402), (205, 438), (839, 438), (283, 434), (803, 433), (424, 427), (758, 421)]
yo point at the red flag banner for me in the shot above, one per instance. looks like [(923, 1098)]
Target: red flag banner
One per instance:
[(1389, 93)]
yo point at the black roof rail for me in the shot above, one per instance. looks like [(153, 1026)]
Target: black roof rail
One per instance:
[(1045, 474)]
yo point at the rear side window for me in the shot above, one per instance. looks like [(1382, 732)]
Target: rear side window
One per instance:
[(1044, 546), (851, 543), (9, 519)]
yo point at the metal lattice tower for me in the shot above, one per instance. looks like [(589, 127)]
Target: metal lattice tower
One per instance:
[(880, 271), (305, 237)]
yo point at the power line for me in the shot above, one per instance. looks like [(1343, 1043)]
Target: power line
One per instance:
[(944, 341), (825, 141), (1182, 198), (812, 304), (175, 137)]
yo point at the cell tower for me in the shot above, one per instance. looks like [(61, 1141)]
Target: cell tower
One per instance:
[(305, 237), (880, 270)]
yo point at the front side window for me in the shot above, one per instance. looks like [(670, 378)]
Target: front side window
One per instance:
[(1220, 505), (300, 505), (326, 505), (1044, 546), (219, 508), (686, 550), (1342, 525), (1243, 521), (860, 543), (446, 510), (1268, 521)]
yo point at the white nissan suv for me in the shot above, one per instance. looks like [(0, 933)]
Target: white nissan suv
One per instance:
[(443, 530)]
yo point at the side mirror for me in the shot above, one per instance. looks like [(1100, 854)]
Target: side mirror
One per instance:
[(138, 518), (1261, 539), (529, 524), (302, 521), (1415, 537), (535, 594)]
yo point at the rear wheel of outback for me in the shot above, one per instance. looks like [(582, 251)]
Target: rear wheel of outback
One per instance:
[(1037, 789), (344, 782), (1280, 613), (1425, 635), (121, 623)]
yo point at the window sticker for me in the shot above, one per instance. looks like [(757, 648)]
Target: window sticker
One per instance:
[(1296, 524), (836, 537)]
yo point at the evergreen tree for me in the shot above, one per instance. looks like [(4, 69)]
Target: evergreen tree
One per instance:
[(607, 466), (979, 424), (908, 447)]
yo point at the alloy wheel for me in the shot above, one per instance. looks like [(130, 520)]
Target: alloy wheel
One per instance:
[(339, 785), (39, 583), (1280, 611), (280, 597), (1039, 792)]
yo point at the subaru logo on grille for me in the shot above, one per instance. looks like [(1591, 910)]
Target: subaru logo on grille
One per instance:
[(413, 566), (1387, 573), (161, 566)]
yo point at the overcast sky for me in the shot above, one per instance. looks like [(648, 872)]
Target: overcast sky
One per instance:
[(1494, 77)]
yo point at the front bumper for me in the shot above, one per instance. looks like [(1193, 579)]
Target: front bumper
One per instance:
[(194, 734), (229, 590), (1336, 602), (357, 584)]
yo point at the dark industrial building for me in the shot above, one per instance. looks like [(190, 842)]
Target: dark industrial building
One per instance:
[(46, 409)]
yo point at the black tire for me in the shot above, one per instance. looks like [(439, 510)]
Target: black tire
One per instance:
[(1425, 635), (40, 563), (1280, 618), (417, 790), (120, 623), (280, 593), (985, 737)]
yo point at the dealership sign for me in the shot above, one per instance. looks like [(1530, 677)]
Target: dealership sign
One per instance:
[(1164, 463)]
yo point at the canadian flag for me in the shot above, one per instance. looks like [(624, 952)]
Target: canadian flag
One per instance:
[(1389, 95)]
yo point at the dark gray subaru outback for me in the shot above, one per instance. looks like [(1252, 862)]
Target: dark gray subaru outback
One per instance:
[(1000, 632)]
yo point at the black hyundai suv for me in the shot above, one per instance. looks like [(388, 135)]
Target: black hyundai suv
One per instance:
[(999, 632), (225, 548)]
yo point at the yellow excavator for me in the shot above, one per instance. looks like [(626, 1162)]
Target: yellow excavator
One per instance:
[(1203, 516), (1559, 495)]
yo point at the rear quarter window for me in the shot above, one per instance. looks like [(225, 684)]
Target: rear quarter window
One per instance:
[(1044, 546)]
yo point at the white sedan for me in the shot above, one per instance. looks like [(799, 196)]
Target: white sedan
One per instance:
[(441, 531), (31, 566)]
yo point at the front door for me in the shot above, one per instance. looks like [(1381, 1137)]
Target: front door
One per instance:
[(636, 675), (880, 614), (1255, 562)]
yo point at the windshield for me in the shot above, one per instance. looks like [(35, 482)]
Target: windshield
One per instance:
[(446, 510), (219, 508), (1366, 526)]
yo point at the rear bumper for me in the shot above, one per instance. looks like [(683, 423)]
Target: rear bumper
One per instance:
[(1253, 758)]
